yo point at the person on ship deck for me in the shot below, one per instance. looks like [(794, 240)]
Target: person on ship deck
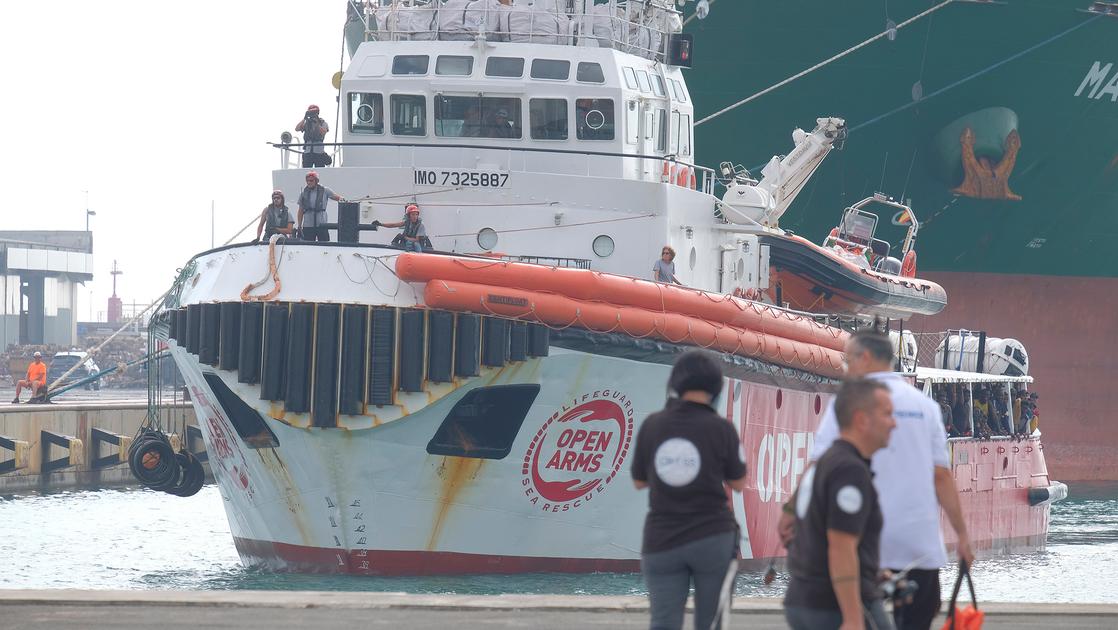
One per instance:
[(314, 130), (312, 209), (941, 394), (663, 270), (413, 236), (275, 218)]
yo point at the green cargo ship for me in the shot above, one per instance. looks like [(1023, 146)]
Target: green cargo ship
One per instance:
[(998, 123)]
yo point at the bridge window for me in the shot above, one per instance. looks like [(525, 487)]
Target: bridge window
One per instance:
[(632, 121), (661, 131), (454, 65), (409, 115), (658, 85), (643, 82), (685, 134), (594, 117), (512, 67), (590, 72), (366, 113), (548, 118), (630, 78), (555, 69), (674, 135), (410, 64), (678, 91), (477, 117)]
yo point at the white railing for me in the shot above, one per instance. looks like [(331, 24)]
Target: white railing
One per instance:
[(639, 27)]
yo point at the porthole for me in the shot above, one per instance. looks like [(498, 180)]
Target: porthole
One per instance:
[(693, 257), (487, 238), (595, 119), (603, 246)]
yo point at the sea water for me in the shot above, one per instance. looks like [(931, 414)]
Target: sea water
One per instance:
[(140, 539)]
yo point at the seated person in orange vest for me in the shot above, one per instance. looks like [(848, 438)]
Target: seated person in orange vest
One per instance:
[(36, 377), (414, 235)]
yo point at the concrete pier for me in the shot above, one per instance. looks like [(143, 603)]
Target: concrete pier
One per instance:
[(74, 444), (279, 610)]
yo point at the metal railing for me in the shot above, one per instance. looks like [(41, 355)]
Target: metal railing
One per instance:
[(290, 153), (639, 27)]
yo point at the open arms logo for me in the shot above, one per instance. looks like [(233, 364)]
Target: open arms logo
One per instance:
[(578, 451)]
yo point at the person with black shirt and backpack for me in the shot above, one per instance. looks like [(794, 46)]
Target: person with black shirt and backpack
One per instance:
[(834, 557), (686, 455)]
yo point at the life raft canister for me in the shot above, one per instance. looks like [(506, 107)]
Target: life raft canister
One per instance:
[(908, 267)]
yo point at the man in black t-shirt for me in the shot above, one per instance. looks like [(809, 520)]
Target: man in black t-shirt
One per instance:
[(833, 558), (686, 455)]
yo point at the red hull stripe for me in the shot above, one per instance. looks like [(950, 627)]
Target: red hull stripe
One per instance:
[(302, 559)]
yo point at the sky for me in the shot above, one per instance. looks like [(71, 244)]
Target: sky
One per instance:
[(156, 109)]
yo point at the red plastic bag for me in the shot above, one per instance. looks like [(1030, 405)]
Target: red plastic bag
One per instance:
[(969, 618)]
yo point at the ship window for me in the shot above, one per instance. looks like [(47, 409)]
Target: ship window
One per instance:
[(557, 69), (409, 115), (366, 113), (658, 85), (454, 65), (632, 121), (594, 117), (630, 78), (504, 67), (677, 90), (661, 131), (548, 118), (674, 135), (685, 134), (410, 64), (642, 81), (590, 72), (485, 422), (477, 117)]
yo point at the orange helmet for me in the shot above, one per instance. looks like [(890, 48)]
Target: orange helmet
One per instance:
[(311, 174), (312, 108), (410, 208)]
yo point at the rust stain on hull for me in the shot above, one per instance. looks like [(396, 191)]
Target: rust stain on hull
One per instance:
[(287, 488), (455, 473)]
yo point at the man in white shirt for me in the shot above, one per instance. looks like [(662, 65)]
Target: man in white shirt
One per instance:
[(912, 477)]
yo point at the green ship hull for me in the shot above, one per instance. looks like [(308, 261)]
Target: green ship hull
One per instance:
[(998, 123)]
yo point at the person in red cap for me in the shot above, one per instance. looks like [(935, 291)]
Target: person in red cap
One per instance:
[(314, 130), (312, 209), (276, 218), (414, 234)]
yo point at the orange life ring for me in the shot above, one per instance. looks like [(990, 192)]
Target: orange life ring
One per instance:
[(908, 267), (666, 176)]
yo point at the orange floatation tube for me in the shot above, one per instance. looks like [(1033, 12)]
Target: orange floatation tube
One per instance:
[(619, 291), (560, 311)]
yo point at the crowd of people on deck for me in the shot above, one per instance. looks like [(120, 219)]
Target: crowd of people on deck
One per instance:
[(995, 409)]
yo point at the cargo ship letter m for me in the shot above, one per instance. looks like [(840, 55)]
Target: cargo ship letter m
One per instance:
[(1096, 78)]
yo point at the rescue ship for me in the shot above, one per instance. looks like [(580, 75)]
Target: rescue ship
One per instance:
[(471, 409)]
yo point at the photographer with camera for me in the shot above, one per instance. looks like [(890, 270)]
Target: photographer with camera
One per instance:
[(314, 130)]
